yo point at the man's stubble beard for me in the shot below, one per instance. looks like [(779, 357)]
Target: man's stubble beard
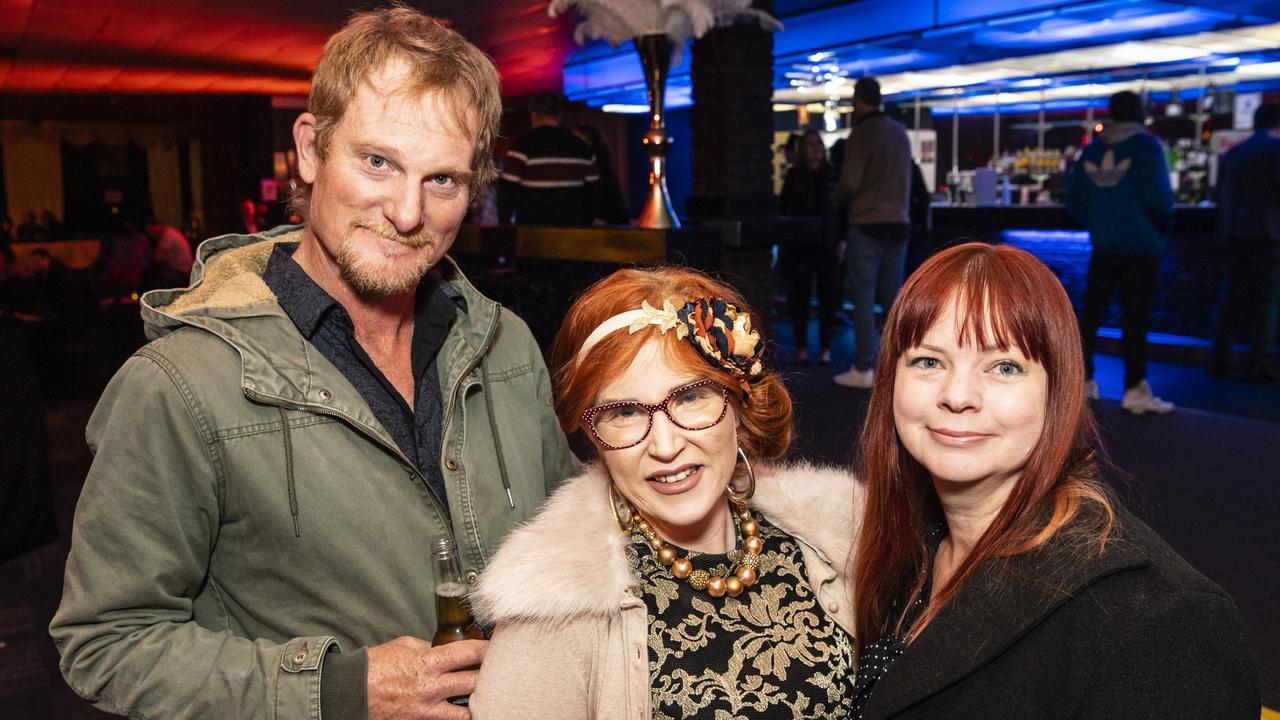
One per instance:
[(367, 279)]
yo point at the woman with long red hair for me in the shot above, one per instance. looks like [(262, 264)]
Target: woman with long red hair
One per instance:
[(995, 575)]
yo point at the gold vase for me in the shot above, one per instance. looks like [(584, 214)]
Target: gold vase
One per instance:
[(655, 56)]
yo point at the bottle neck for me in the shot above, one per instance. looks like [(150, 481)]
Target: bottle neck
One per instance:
[(448, 571)]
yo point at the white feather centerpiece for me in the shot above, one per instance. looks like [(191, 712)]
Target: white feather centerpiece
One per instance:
[(617, 21), (659, 28)]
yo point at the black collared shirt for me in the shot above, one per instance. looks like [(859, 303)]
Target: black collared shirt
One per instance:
[(325, 323)]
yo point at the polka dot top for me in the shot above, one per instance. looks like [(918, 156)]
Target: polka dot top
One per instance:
[(876, 658)]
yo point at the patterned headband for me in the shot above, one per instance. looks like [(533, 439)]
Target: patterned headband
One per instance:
[(714, 326)]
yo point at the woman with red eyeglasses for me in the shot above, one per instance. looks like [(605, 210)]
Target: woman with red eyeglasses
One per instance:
[(683, 574)]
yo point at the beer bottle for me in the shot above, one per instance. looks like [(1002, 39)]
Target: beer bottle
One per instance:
[(453, 615)]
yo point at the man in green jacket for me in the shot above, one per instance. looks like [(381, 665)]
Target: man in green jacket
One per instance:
[(323, 403)]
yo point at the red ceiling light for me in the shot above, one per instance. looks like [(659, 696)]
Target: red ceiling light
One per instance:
[(239, 46)]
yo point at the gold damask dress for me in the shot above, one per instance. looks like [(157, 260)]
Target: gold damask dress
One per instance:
[(769, 653)]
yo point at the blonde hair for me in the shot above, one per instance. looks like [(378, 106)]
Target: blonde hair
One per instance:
[(438, 59)]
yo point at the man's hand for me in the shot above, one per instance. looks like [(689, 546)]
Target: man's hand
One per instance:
[(840, 250), (408, 678)]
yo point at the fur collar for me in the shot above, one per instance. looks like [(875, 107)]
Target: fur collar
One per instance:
[(569, 560)]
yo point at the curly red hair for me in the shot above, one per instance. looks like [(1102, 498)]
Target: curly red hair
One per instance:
[(764, 408)]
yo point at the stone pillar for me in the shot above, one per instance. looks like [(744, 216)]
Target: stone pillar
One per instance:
[(733, 123)]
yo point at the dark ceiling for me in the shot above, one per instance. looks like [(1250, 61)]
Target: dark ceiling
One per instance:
[(240, 46)]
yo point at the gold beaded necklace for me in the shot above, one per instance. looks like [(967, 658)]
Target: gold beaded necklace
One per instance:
[(745, 559)]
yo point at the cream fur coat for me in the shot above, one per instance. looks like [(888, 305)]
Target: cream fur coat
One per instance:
[(571, 626)]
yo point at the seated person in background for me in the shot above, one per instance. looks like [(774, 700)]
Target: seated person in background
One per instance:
[(31, 230), (54, 227), (249, 220), (996, 577), (670, 580), (122, 261), (171, 256), (255, 217)]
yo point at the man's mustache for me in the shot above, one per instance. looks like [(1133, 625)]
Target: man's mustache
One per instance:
[(416, 240)]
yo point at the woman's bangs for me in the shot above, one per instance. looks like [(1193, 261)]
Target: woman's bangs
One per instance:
[(995, 307), (1001, 315), (1018, 314)]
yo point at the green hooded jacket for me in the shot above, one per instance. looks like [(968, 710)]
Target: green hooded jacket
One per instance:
[(246, 515)]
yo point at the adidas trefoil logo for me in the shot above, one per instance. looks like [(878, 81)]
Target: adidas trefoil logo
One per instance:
[(1109, 174)]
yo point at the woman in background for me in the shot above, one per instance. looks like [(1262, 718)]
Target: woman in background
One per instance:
[(811, 254), (995, 574)]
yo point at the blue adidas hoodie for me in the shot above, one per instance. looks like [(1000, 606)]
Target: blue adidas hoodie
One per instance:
[(1120, 191)]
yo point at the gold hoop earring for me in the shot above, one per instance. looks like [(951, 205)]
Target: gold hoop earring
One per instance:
[(622, 511), (740, 497)]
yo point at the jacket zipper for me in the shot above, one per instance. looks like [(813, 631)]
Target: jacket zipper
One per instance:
[(453, 402), (353, 423), (453, 395)]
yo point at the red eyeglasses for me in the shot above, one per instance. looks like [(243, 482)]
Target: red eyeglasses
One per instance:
[(696, 406)]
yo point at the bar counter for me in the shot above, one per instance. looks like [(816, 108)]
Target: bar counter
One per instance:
[(1188, 219)]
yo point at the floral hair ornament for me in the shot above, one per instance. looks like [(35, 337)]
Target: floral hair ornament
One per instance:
[(721, 333)]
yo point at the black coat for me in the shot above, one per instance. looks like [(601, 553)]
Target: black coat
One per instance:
[(1135, 633)]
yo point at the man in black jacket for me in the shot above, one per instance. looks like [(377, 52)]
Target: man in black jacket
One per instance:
[(1249, 225), (550, 175)]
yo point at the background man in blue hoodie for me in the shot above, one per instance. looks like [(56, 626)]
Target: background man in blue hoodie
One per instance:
[(1120, 191)]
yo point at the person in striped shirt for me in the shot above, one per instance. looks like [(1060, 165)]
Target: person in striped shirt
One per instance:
[(550, 176)]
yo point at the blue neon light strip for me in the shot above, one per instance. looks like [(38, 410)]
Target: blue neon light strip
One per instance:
[(1217, 65), (1017, 108), (1158, 96), (1040, 237), (889, 36), (844, 24), (958, 11)]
